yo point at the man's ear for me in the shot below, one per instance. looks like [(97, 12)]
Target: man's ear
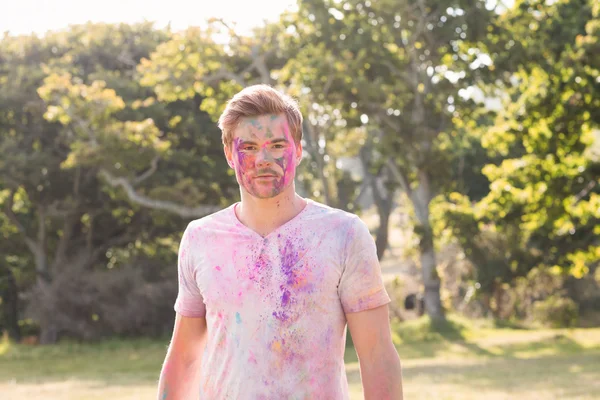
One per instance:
[(228, 155), (298, 154)]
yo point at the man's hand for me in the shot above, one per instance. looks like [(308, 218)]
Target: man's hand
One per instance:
[(182, 363), (379, 362)]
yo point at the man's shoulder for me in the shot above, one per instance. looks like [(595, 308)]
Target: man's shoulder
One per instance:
[(336, 216), (216, 220)]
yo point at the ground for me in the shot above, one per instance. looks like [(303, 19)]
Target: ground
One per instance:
[(461, 360)]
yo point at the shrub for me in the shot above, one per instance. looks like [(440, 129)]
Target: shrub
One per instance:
[(396, 291), (91, 305), (556, 311)]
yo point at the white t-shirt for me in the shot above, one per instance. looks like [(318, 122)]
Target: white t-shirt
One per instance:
[(275, 306)]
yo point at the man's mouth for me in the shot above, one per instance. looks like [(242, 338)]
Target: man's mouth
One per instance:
[(265, 174)]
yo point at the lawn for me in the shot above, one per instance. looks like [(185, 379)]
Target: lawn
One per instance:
[(460, 360)]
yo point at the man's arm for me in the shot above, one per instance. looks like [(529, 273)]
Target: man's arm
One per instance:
[(182, 363), (379, 362)]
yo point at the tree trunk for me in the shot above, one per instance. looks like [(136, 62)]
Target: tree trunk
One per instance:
[(384, 201), (312, 146), (431, 279), (382, 239), (10, 297), (384, 209), (421, 199), (48, 334)]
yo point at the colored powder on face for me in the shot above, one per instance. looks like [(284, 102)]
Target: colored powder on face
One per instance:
[(255, 123), (238, 318), (218, 268), (287, 161), (247, 161)]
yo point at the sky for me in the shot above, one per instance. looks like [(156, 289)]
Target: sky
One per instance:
[(39, 16)]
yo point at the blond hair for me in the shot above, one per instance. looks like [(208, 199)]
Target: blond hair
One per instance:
[(257, 100)]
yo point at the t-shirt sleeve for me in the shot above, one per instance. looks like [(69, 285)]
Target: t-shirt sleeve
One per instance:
[(189, 301), (361, 285)]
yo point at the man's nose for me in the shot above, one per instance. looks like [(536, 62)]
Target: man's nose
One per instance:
[(263, 158)]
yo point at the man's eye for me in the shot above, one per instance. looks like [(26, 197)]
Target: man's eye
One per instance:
[(249, 148), (278, 146)]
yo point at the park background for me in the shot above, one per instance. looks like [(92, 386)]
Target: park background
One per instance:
[(466, 134)]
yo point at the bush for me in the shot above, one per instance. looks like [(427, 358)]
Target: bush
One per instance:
[(91, 305), (396, 291), (556, 311)]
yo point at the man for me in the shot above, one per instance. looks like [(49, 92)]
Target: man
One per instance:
[(267, 285)]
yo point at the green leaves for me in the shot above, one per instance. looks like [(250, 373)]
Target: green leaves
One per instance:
[(101, 139), (549, 187)]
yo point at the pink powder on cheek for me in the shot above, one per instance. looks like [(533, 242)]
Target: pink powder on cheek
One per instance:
[(242, 164), (288, 162), (289, 166)]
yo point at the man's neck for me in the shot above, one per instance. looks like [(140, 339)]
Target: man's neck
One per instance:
[(265, 215)]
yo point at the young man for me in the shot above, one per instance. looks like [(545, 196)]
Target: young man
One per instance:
[(267, 285)]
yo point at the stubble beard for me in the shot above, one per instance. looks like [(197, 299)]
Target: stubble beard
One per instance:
[(264, 191)]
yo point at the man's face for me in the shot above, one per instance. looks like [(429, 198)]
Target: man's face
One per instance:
[(264, 155)]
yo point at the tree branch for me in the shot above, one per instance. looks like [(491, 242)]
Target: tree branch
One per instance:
[(118, 240), (63, 243), (77, 182), (169, 206), (327, 85), (41, 234), (224, 73), (36, 248), (148, 173), (383, 117), (311, 140), (400, 175), (261, 65), (15, 220), (585, 191), (400, 74)]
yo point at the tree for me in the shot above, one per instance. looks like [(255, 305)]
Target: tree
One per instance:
[(544, 193), (394, 67), (76, 128), (548, 187)]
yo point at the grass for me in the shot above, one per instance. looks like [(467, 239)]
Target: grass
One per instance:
[(457, 360)]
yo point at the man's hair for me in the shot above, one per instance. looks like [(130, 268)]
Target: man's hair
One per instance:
[(257, 100)]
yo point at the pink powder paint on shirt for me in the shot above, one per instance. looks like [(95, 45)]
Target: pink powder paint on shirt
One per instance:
[(275, 309), (252, 358)]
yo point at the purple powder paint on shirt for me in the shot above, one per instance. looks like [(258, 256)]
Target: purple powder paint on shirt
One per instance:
[(289, 258), (260, 269), (281, 315), (285, 298)]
